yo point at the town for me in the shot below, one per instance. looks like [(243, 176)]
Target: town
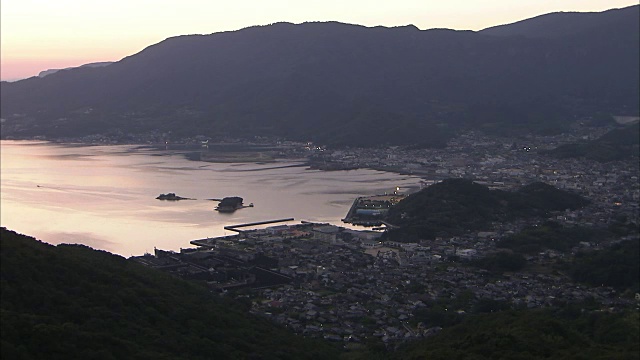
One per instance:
[(347, 285)]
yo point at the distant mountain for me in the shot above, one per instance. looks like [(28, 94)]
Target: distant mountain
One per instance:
[(564, 24), (455, 206), (340, 84), (72, 302), (618, 144), (53, 71)]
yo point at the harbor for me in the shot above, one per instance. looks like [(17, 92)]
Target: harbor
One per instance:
[(370, 210)]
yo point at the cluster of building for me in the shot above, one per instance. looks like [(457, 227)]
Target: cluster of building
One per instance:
[(348, 285), (509, 163), (370, 210)]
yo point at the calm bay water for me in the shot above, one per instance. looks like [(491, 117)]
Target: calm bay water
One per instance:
[(104, 196)]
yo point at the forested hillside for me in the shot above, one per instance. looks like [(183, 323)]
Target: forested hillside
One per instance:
[(72, 302), (618, 144), (454, 206), (542, 334), (344, 84)]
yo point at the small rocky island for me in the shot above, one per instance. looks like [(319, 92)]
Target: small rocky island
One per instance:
[(171, 197), (231, 204)]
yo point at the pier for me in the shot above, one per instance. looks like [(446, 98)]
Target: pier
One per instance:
[(352, 210), (370, 210), (211, 242), (235, 227)]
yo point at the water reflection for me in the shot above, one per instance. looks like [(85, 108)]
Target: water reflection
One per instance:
[(104, 196)]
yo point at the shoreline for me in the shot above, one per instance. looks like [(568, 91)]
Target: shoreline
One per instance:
[(237, 156)]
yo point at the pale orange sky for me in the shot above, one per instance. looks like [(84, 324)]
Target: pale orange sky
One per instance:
[(38, 35)]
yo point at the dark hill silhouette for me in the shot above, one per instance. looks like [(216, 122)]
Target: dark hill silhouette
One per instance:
[(568, 333), (560, 24), (73, 302), (338, 83), (53, 71), (618, 144), (455, 206)]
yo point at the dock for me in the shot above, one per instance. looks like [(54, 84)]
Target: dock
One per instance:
[(352, 210), (211, 242), (235, 227)]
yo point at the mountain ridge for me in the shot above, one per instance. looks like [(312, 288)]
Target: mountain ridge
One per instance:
[(322, 81), (93, 64), (564, 23)]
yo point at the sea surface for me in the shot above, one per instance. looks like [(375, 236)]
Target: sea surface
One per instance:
[(105, 196)]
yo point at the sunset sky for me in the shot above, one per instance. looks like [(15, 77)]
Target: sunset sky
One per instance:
[(42, 34)]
